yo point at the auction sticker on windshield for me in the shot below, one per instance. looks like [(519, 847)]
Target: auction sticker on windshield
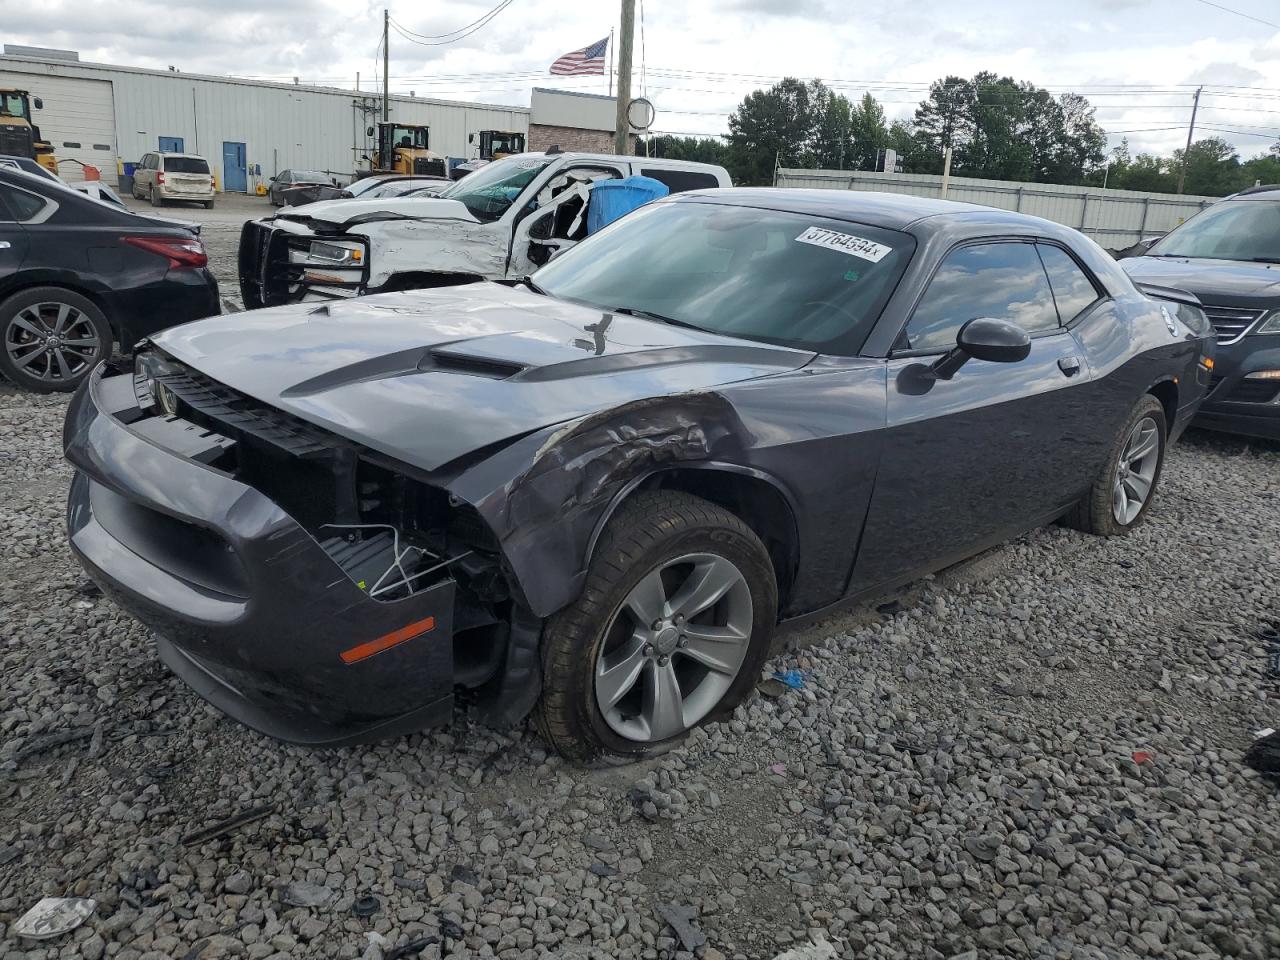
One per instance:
[(846, 243)]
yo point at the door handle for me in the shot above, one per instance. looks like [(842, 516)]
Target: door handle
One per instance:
[(1070, 366)]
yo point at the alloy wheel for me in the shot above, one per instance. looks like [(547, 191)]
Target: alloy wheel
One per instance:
[(674, 647), (52, 342), (1136, 471)]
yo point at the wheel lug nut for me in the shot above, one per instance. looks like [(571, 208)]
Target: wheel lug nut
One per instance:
[(679, 618), (684, 641), (662, 661), (656, 625), (648, 650)]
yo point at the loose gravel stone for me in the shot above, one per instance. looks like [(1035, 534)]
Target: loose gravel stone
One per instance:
[(958, 773)]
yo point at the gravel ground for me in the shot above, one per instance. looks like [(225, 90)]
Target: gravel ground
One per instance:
[(1037, 754)]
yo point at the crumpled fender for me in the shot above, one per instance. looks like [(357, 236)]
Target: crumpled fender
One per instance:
[(543, 497), (433, 246)]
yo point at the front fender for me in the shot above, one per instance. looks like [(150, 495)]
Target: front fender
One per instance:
[(546, 496)]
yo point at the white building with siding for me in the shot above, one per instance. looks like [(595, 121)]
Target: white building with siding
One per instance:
[(100, 114)]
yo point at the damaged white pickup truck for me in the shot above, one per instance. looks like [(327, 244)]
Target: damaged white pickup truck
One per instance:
[(502, 222)]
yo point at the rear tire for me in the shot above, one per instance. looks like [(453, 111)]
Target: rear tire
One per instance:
[(156, 199), (1112, 506), (208, 204), (678, 542), (51, 339)]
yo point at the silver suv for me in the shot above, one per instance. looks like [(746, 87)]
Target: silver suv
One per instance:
[(161, 177)]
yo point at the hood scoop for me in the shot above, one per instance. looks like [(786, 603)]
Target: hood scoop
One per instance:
[(403, 363)]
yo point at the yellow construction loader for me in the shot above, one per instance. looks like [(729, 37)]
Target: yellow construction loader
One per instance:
[(19, 137), (496, 144), (402, 148)]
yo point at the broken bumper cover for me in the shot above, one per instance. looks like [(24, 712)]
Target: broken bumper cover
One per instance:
[(246, 606)]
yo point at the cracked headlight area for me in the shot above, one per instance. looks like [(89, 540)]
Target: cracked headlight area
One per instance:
[(336, 253)]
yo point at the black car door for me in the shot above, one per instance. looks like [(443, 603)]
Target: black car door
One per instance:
[(975, 459), (14, 242)]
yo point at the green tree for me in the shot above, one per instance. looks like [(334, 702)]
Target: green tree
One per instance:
[(867, 133), (1213, 167), (700, 149), (831, 148), (775, 126)]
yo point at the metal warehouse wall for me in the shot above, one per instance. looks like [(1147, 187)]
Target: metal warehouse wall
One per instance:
[(282, 125), (1114, 218)]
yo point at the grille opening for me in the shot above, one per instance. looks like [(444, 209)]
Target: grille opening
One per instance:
[(1231, 323)]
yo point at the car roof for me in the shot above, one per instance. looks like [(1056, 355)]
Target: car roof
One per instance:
[(613, 157), (893, 211), (190, 156), (1262, 191)]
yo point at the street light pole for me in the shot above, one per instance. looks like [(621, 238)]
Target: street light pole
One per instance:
[(386, 67)]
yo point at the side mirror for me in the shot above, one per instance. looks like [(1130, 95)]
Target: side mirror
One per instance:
[(996, 341), (37, 103)]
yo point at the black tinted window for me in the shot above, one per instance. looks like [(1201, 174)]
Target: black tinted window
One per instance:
[(21, 205), (1072, 288), (679, 180), (745, 272), (1000, 280), (185, 165)]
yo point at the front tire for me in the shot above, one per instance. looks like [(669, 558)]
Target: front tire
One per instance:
[(671, 630), (1124, 489), (51, 339)]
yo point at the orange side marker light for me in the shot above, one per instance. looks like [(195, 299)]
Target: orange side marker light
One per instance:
[(367, 649)]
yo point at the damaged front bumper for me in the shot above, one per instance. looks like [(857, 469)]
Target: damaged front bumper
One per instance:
[(246, 604), (276, 265)]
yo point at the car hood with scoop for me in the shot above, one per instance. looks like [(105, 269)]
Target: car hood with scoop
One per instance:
[(427, 377), (1226, 282), (342, 212)]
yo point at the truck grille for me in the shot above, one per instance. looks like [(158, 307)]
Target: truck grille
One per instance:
[(1231, 323)]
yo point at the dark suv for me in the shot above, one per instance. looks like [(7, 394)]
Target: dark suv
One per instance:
[(1229, 256)]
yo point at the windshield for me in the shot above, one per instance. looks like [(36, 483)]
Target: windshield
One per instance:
[(309, 176), (1228, 230), (490, 191), (766, 275), (395, 188), (13, 105), (185, 165), (412, 138)]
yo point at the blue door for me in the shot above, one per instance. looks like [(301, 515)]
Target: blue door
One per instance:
[(235, 169), (171, 145)]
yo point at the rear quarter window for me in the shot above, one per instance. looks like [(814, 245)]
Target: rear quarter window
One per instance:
[(678, 181), (19, 205)]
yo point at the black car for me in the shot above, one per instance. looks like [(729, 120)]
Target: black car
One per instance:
[(600, 491), (1229, 256), (77, 273), (296, 187)]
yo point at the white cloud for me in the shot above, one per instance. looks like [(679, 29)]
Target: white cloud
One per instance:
[(894, 50)]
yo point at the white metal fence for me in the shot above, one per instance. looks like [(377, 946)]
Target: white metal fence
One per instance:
[(1114, 218)]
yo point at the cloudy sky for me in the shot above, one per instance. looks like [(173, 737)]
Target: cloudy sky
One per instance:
[(1137, 60)]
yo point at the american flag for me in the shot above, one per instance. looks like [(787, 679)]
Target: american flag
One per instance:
[(580, 62)]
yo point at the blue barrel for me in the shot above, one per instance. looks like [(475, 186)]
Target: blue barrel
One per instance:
[(611, 199)]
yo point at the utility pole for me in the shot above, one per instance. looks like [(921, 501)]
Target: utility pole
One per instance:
[(1191, 129), (622, 129), (386, 67)]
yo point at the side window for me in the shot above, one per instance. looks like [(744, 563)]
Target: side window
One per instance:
[(1072, 288), (20, 205), (1005, 281), (678, 181)]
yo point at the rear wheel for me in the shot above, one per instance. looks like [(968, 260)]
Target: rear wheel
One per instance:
[(156, 199), (208, 204), (1124, 489), (670, 630), (52, 338)]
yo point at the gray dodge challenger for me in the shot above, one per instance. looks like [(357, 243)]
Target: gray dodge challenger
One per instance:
[(594, 496)]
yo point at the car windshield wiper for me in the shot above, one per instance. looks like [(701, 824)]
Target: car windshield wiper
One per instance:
[(649, 315)]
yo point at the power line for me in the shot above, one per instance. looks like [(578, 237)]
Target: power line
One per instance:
[(462, 32), (440, 36), (1247, 16)]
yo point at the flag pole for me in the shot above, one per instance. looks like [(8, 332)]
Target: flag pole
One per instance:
[(611, 61)]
